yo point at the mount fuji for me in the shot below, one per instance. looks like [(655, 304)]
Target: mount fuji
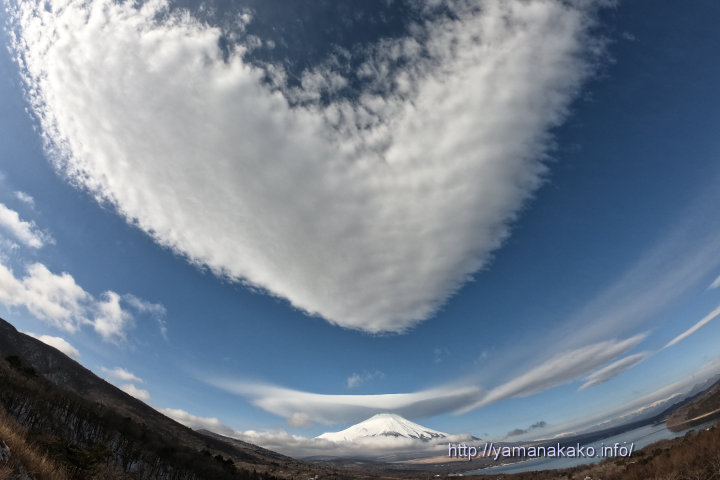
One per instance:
[(383, 425)]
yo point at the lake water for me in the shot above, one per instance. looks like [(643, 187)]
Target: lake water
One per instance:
[(641, 437)]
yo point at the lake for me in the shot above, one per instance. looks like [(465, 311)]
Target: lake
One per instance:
[(641, 437)]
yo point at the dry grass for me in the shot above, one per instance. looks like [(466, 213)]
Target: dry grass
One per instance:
[(25, 456)]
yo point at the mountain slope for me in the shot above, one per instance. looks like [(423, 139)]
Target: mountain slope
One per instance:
[(700, 408), (83, 421), (383, 425)]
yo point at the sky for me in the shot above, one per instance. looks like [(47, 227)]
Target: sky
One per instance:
[(276, 219)]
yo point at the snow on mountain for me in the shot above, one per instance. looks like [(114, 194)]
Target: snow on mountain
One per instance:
[(383, 425)]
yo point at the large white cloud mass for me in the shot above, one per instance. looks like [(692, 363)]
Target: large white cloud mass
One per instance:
[(368, 212)]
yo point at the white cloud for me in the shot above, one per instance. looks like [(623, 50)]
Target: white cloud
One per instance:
[(561, 368), (56, 299), (459, 397), (613, 369), (299, 447), (25, 198), (705, 320), (300, 419), (136, 392), (197, 423), (58, 342), (420, 184), (715, 283), (649, 404), (357, 379), (376, 448), (143, 306), (59, 301), (111, 321), (25, 232), (345, 409), (120, 373)]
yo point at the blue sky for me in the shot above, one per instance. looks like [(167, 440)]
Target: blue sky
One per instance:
[(273, 219)]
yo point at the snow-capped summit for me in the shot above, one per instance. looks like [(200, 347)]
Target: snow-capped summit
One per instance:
[(383, 425)]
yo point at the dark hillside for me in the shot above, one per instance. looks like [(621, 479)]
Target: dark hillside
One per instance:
[(82, 422)]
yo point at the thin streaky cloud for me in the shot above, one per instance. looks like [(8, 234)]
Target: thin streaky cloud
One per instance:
[(344, 409), (613, 369), (560, 369), (676, 264), (631, 410), (704, 321)]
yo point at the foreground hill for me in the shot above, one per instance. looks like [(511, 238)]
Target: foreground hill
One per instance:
[(58, 412)]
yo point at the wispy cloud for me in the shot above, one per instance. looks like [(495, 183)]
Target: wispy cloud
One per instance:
[(357, 379), (420, 181), (612, 370), (58, 342), (25, 198), (705, 320), (643, 406), (439, 354), (25, 232), (715, 283), (677, 263), (521, 431), (343, 409), (558, 370), (155, 310), (122, 374)]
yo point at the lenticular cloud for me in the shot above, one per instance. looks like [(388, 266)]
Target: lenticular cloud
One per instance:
[(370, 211)]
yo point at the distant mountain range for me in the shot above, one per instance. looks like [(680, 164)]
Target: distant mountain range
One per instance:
[(384, 425)]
